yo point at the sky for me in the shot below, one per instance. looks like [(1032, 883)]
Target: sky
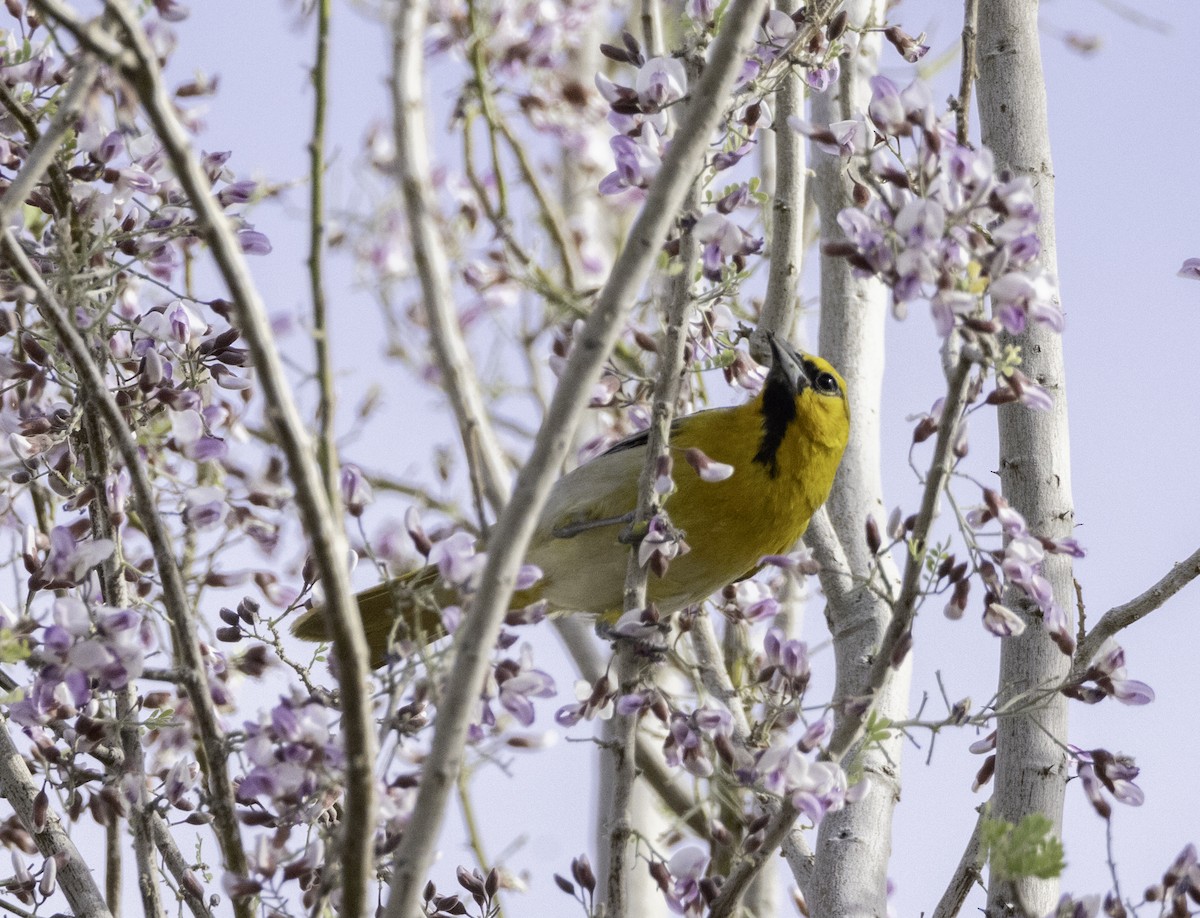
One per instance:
[(1124, 137)]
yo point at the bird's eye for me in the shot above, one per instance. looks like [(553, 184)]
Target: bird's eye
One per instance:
[(826, 383)]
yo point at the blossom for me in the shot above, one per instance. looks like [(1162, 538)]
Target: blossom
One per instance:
[(637, 159), (686, 868), (1107, 671), (356, 490), (815, 788), (457, 560), (752, 602), (1099, 771), (1190, 269), (686, 733), (708, 469), (661, 544), (660, 82), (785, 666), (519, 683)]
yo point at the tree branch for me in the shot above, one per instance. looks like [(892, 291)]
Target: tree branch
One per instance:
[(1120, 617), (326, 442), (514, 528), (966, 875)]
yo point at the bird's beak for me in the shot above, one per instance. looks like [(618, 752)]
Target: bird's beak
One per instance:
[(787, 364)]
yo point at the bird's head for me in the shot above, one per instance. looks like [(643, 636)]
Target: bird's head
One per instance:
[(804, 391)]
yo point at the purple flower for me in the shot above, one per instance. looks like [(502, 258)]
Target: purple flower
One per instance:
[(753, 602), (820, 79), (1107, 671), (69, 561), (686, 867), (637, 161), (661, 545), (885, 107), (778, 29), (205, 508), (708, 469), (660, 82), (457, 560), (517, 692), (785, 666), (686, 733), (1002, 621), (356, 490), (237, 193), (1190, 269), (253, 242)]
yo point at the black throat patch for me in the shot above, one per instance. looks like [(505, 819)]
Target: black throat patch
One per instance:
[(778, 411)]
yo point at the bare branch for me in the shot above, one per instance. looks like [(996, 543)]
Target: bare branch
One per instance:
[(489, 470), (515, 527), (1120, 617), (326, 442), (962, 105)]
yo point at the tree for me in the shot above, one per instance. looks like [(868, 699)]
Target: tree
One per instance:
[(171, 451)]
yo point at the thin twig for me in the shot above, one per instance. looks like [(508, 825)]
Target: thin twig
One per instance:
[(631, 670), (326, 444), (552, 215), (1122, 616), (514, 528), (962, 105), (74, 873), (787, 222)]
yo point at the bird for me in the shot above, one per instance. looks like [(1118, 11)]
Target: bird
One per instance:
[(784, 447)]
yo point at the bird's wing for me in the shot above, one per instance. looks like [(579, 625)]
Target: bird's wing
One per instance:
[(599, 493)]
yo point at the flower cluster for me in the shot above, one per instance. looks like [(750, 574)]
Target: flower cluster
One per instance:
[(296, 762), (515, 683), (814, 787), (938, 223), (84, 650), (1108, 676), (784, 669), (1099, 771), (1021, 568)]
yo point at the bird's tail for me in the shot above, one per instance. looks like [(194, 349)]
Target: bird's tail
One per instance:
[(407, 608)]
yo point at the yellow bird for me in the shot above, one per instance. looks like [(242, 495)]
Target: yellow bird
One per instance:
[(784, 447)]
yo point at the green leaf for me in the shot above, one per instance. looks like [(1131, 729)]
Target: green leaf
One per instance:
[(1027, 849)]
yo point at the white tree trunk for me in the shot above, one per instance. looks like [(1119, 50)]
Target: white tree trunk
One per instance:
[(1031, 766), (854, 845)]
